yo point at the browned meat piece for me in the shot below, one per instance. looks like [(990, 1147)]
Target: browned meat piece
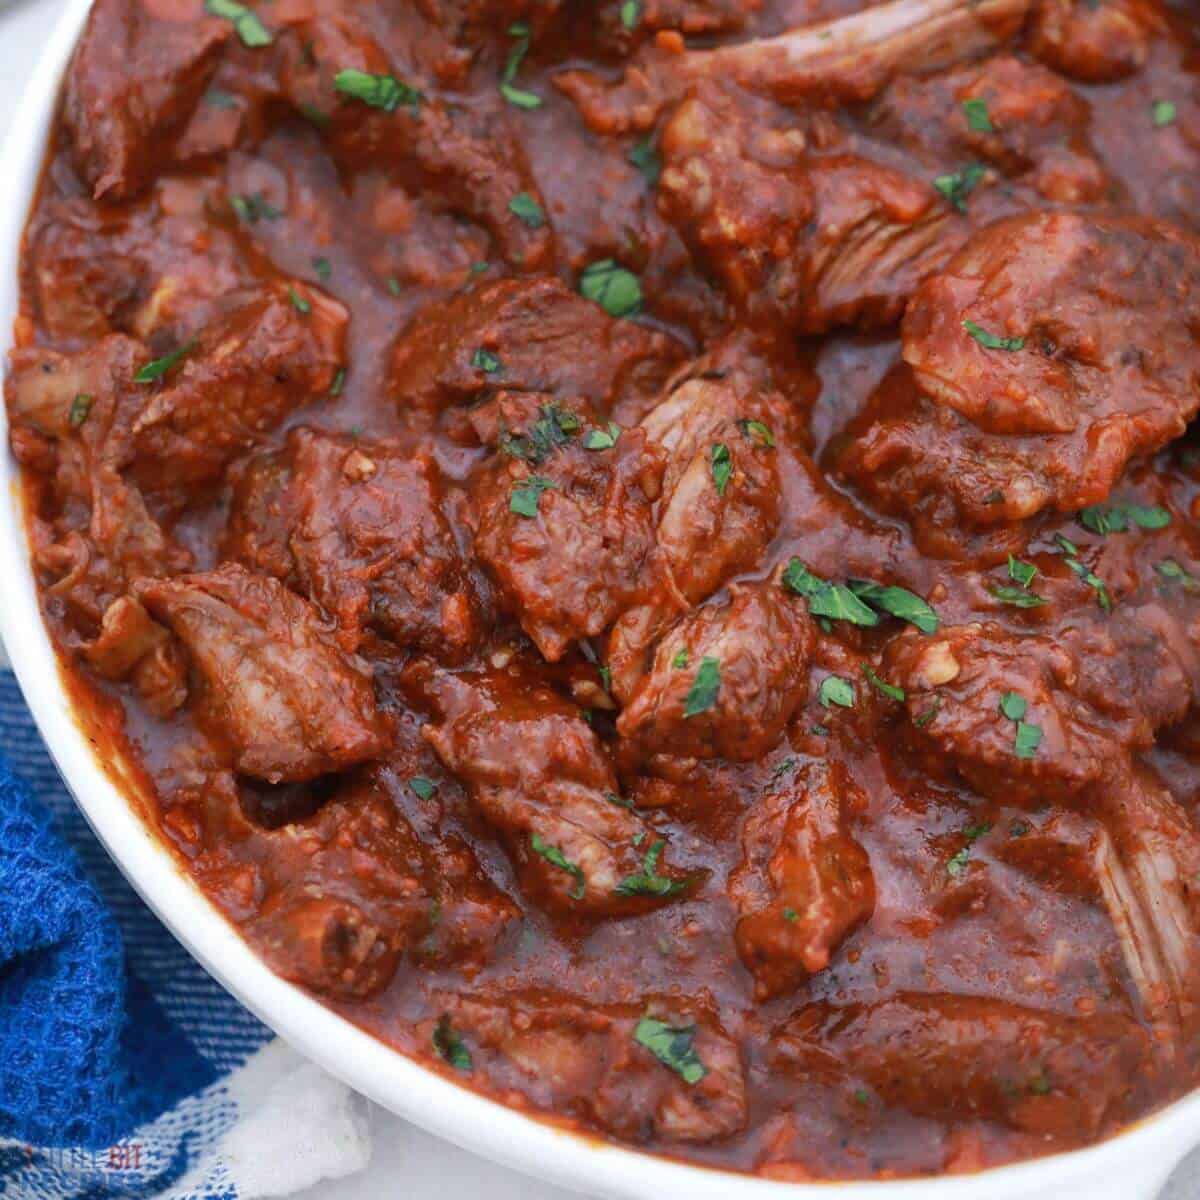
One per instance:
[(1054, 349), (804, 884), (962, 1057), (725, 680), (356, 892), (672, 1074), (358, 526), (138, 72), (1020, 119), (291, 703), (278, 350), (797, 240), (545, 337), (568, 537), (466, 157), (539, 774), (1084, 699), (1098, 43), (847, 59)]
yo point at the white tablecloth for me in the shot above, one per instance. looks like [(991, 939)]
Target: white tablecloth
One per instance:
[(405, 1161)]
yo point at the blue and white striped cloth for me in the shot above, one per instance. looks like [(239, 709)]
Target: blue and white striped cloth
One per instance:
[(125, 1070)]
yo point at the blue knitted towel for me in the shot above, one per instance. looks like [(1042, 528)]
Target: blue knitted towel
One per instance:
[(113, 1042)]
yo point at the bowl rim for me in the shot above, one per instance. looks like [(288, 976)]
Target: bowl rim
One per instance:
[(1140, 1157)]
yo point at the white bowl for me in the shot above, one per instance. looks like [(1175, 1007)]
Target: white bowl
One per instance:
[(1131, 1166)]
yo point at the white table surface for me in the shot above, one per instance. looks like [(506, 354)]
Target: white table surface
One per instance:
[(405, 1160)]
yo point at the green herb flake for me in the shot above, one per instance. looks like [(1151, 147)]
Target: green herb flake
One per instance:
[(158, 367), (836, 690), (339, 382), (245, 21), (1028, 739), (450, 1047), (1116, 518), (959, 863), (216, 98), (1065, 544), (756, 431), (615, 289), (1163, 113), (520, 32), (645, 157), (1170, 570), (833, 601), (602, 439), (974, 832), (702, 695), (722, 467), (673, 1047), (323, 269), (393, 285), (958, 186), (485, 361), (1103, 598), (553, 428), (299, 303), (80, 407), (1039, 1085), (1018, 597), (1013, 706), (648, 882), (422, 787), (932, 711), (378, 91), (890, 690), (976, 112), (1021, 572), (862, 1096), (478, 268), (680, 660), (555, 857), (253, 209), (527, 210), (992, 341), (527, 493), (631, 13), (790, 914), (897, 602), (619, 801)]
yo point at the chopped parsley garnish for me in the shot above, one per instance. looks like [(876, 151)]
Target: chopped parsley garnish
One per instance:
[(1164, 113), (1018, 597), (791, 915), (602, 439), (644, 156), (520, 33), (299, 303), (80, 407), (379, 91), (680, 660), (527, 210), (158, 367), (631, 13), (1116, 518), (339, 382), (648, 882), (605, 674), (882, 686), (1171, 570), (958, 864), (958, 186), (702, 695), (992, 341), (450, 1047), (756, 431), (1022, 572), (722, 467), (216, 98), (932, 711), (553, 428), (831, 600), (1028, 737), (253, 209), (555, 857), (896, 602), (393, 285), (422, 786), (674, 1048), (1066, 545), (526, 494), (836, 690), (615, 289), (1092, 580), (619, 801), (1039, 1085), (245, 21), (485, 361), (976, 112), (323, 269)]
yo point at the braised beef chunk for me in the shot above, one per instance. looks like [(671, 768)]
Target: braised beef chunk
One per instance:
[(530, 335), (647, 552), (293, 704), (358, 526), (804, 884)]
